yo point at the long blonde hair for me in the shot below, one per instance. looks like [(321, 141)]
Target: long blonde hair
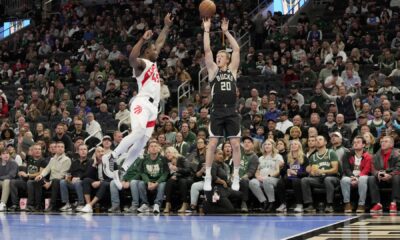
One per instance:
[(274, 149), (300, 153), (174, 152)]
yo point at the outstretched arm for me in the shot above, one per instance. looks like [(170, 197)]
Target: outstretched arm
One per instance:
[(134, 59), (235, 58), (208, 55), (168, 20)]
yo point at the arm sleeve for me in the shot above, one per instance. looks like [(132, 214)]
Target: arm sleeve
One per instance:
[(165, 171), (12, 171), (253, 165)]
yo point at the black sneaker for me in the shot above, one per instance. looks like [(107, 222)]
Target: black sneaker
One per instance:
[(310, 208), (13, 208), (30, 208), (270, 208)]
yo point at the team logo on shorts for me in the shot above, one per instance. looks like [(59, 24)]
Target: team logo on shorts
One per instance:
[(137, 109)]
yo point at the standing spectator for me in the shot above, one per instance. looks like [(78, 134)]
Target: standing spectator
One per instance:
[(344, 102)]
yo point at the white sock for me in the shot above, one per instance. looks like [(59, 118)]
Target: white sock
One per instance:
[(236, 171), (208, 171)]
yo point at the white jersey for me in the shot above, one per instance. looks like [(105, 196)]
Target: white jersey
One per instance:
[(149, 82)]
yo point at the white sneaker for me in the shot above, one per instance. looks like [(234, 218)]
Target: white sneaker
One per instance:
[(144, 208), (66, 208), (298, 208), (3, 207), (235, 183), (281, 208), (87, 209), (207, 183), (156, 208), (79, 208)]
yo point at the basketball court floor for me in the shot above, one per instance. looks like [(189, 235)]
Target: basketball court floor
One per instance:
[(232, 227)]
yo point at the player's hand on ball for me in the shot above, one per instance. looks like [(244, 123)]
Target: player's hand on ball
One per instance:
[(224, 24), (168, 20), (207, 24), (147, 35)]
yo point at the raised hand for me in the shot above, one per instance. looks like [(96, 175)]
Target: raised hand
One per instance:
[(207, 24), (168, 20), (147, 35), (224, 24)]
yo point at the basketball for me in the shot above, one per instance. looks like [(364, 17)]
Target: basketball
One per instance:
[(207, 8)]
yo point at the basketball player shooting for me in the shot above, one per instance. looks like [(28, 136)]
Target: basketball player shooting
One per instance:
[(224, 119), (144, 107)]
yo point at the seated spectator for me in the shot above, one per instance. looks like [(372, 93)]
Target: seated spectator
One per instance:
[(250, 163), (179, 179), (8, 171), (153, 175), (129, 181), (78, 131), (290, 76), (314, 33), (57, 168), (25, 180), (356, 169), (188, 136), (385, 173), (323, 171), (334, 54), (96, 179), (181, 145), (267, 175), (269, 67), (61, 136), (295, 170), (388, 88), (197, 163), (73, 179), (219, 199), (93, 128)]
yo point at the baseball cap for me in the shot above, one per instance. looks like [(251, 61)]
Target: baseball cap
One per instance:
[(337, 134), (273, 92), (329, 62), (362, 115), (247, 138), (293, 86), (20, 89), (283, 113)]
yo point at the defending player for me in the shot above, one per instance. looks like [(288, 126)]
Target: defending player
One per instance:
[(224, 119), (144, 108)]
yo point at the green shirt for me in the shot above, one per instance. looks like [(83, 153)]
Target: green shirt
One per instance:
[(154, 170), (325, 161), (133, 172), (248, 164)]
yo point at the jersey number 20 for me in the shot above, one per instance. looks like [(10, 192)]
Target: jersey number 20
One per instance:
[(225, 86)]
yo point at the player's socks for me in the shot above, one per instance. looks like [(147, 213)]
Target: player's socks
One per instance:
[(207, 180), (235, 180)]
